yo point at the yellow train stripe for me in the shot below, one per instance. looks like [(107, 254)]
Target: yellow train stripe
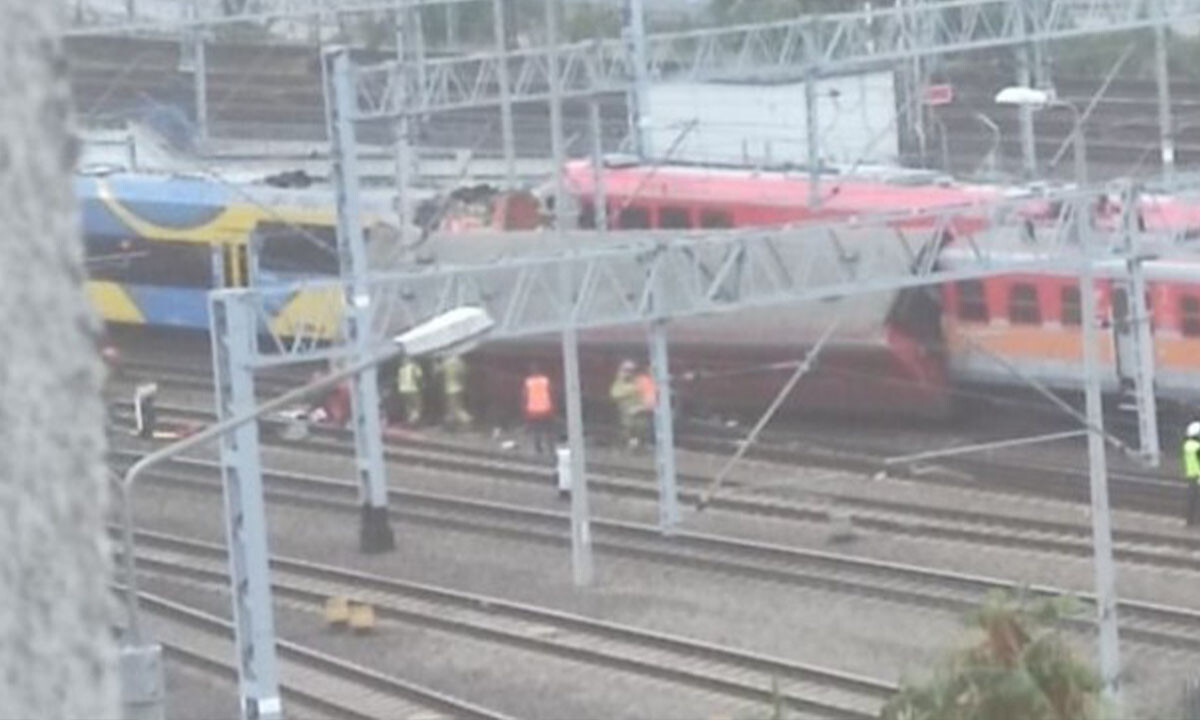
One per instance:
[(113, 303), (231, 224), (310, 313)]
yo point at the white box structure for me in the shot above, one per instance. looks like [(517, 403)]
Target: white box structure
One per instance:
[(764, 123)]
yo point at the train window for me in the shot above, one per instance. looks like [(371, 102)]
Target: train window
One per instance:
[(972, 305), (715, 219), (1023, 307), (1189, 315), (674, 218), (1071, 312), (286, 248), (634, 218), (164, 264)]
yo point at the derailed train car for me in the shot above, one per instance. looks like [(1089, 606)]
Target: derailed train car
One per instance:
[(157, 245)]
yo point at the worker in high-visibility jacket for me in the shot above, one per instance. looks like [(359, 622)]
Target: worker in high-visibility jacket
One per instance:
[(648, 397), (409, 384), (538, 403), (1191, 469), (454, 388), (627, 398)]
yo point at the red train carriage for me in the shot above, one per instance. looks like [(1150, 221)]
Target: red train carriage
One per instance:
[(885, 358), (1032, 322)]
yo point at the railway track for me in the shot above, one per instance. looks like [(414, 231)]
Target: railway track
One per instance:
[(1147, 492), (1151, 623), (1140, 491), (314, 680), (874, 514), (742, 675)]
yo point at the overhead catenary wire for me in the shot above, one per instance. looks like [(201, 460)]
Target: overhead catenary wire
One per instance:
[(801, 370)]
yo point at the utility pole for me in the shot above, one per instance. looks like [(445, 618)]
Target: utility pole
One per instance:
[(376, 532), (1162, 75), (1025, 79), (57, 653), (193, 56), (1143, 339), (557, 143), (599, 194), (400, 129), (640, 120), (1103, 567), (507, 132), (582, 567)]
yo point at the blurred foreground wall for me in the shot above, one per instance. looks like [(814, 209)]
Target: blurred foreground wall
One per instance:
[(57, 658)]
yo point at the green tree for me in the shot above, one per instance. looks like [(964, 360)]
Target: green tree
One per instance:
[(1018, 664)]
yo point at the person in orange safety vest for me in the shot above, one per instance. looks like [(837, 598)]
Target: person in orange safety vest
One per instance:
[(539, 410)]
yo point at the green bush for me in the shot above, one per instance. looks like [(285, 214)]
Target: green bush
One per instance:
[(1017, 664)]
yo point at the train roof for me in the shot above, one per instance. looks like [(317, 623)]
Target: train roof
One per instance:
[(196, 208), (850, 193)]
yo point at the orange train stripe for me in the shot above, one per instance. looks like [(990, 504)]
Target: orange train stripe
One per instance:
[(1043, 343)]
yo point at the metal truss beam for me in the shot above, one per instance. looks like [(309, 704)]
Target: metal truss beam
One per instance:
[(818, 43), (660, 277), (211, 14)]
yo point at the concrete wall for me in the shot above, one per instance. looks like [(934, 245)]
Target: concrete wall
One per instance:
[(57, 658), (751, 124)]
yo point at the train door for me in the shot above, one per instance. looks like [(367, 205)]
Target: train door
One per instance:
[(1124, 342)]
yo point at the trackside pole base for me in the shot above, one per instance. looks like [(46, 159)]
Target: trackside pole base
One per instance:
[(143, 695), (375, 530)]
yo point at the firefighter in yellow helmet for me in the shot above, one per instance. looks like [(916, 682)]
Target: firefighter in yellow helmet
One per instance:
[(409, 384), (627, 399), (454, 388)]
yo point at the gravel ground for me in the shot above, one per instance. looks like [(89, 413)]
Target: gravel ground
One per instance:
[(545, 687), (855, 634), (194, 694)]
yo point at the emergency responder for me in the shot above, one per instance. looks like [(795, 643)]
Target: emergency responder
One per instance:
[(1191, 469), (538, 402), (648, 396), (144, 415), (409, 382), (454, 385), (628, 401)]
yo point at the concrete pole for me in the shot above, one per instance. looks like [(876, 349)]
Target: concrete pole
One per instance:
[(642, 122), (1165, 129), (400, 129), (812, 137), (557, 143), (376, 532), (582, 572), (1025, 79), (599, 194), (452, 26), (664, 427), (507, 132), (200, 81), (1103, 567), (57, 654)]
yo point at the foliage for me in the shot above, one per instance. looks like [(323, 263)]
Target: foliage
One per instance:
[(1018, 665), (592, 19)]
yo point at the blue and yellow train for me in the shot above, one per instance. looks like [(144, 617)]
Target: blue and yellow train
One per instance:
[(157, 245)]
